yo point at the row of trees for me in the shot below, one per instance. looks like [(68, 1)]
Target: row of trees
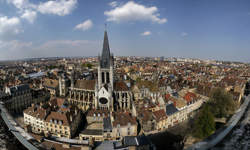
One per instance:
[(221, 104)]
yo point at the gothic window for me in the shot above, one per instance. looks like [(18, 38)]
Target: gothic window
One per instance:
[(107, 74), (103, 77)]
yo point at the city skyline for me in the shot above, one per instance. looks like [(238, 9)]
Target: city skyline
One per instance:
[(192, 29)]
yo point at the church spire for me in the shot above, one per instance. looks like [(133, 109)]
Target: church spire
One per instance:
[(105, 58)]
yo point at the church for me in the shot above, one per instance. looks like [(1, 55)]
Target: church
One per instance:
[(103, 93)]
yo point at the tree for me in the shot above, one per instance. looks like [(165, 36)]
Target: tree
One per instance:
[(204, 125), (88, 65), (222, 102)]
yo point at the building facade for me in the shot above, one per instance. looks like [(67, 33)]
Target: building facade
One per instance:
[(105, 92), (20, 97)]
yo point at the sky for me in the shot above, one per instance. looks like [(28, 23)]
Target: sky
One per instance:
[(204, 29)]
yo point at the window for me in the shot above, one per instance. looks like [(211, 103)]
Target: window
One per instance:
[(107, 77), (103, 77)]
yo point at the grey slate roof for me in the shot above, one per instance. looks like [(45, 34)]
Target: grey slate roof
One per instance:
[(105, 58), (171, 109), (130, 141), (107, 126), (92, 132), (136, 140), (19, 88), (106, 145)]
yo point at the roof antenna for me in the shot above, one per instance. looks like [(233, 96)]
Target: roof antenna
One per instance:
[(105, 26)]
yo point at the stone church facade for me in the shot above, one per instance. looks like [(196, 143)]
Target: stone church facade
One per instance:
[(103, 93)]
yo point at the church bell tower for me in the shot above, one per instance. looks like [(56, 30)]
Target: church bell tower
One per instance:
[(105, 76)]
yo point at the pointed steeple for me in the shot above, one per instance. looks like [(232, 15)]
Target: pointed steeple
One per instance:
[(105, 58)]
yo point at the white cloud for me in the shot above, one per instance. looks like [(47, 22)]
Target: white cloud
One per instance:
[(57, 7), (9, 25), (20, 4), (183, 34), (146, 33), (113, 4), (84, 26), (29, 15), (132, 11), (28, 10)]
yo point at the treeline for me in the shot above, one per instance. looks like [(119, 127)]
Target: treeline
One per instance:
[(220, 104)]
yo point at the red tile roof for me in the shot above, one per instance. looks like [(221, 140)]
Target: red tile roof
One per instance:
[(189, 96), (123, 118), (85, 84), (160, 115), (121, 86)]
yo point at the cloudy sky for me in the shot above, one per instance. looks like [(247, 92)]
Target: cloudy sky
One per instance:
[(206, 29)]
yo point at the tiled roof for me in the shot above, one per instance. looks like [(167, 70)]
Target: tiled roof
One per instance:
[(36, 111), (170, 109), (85, 84), (98, 111), (159, 115), (50, 83), (123, 118), (57, 102), (189, 96), (121, 86), (91, 132), (59, 116), (145, 115)]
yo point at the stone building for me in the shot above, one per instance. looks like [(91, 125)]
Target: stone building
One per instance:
[(63, 85), (124, 124), (52, 86), (56, 118), (20, 97), (34, 117), (104, 92)]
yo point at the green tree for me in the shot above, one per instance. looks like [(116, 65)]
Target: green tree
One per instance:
[(88, 65), (204, 125), (222, 102)]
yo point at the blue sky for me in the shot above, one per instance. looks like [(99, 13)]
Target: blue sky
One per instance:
[(206, 29)]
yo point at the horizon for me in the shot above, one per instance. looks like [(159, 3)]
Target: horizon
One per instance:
[(78, 57), (214, 30)]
